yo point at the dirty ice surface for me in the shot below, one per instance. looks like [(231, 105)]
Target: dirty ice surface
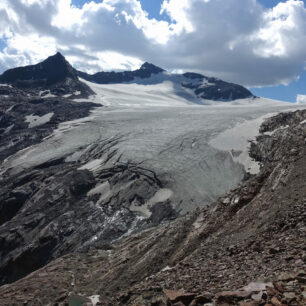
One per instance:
[(197, 151), (236, 141)]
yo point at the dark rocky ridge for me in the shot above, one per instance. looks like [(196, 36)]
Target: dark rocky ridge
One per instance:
[(218, 90), (256, 231), (145, 71), (52, 70), (54, 74)]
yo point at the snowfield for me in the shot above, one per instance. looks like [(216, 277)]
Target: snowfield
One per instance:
[(161, 90), (198, 151), (37, 120), (163, 94)]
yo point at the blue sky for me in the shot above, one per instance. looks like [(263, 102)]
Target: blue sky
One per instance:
[(2, 44), (285, 93), (271, 3), (281, 92), (169, 45), (151, 6)]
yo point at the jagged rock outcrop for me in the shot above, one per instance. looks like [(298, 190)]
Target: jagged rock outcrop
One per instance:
[(252, 234)]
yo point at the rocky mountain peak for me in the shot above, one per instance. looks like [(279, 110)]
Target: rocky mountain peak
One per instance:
[(53, 70), (57, 59), (59, 55), (150, 67)]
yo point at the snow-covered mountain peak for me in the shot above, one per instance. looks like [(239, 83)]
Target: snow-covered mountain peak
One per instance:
[(202, 87)]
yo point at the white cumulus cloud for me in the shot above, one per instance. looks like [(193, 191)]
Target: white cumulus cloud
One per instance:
[(301, 99), (239, 42)]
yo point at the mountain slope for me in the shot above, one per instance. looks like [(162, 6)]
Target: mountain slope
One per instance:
[(253, 233)]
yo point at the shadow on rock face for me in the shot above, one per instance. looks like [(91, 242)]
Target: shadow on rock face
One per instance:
[(80, 182)]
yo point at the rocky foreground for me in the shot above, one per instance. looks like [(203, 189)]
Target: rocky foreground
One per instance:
[(251, 241)]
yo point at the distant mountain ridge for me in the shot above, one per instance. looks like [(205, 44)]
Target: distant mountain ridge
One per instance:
[(208, 88), (104, 77), (56, 74)]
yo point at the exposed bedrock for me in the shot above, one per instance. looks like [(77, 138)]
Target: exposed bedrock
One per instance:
[(59, 207)]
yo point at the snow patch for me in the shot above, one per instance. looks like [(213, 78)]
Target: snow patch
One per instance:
[(197, 82), (132, 227), (167, 268), (99, 189), (161, 195), (46, 94), (8, 129), (95, 299), (76, 93), (167, 93), (9, 109), (278, 129), (37, 120), (6, 85), (103, 190), (93, 165), (237, 141)]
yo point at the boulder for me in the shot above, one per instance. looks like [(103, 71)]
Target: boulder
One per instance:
[(179, 296)]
